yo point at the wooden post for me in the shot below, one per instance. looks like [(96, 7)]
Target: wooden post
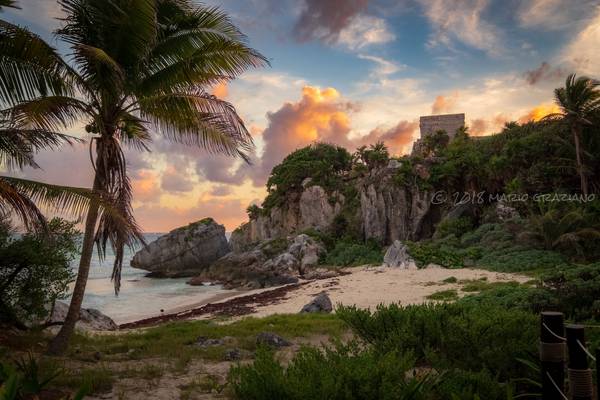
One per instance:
[(580, 375), (598, 373), (552, 355)]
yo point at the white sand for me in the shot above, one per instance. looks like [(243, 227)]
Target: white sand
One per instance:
[(366, 287)]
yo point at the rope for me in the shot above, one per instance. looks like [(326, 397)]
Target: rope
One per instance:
[(556, 386), (586, 350), (552, 352), (580, 382), (553, 334)]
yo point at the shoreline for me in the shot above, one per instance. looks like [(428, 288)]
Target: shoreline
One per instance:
[(364, 287)]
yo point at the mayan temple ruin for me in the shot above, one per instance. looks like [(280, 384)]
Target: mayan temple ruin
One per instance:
[(449, 122)]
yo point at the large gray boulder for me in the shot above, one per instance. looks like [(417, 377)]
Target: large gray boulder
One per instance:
[(185, 251), (397, 256), (320, 304), (89, 319)]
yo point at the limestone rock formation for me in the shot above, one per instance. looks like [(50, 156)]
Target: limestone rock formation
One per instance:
[(321, 303), (384, 210), (397, 256), (270, 263), (310, 209), (185, 251)]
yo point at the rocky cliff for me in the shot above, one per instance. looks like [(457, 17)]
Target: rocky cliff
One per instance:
[(382, 209), (185, 251)]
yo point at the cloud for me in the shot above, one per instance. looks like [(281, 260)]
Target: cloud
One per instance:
[(462, 20), (176, 181), (444, 104), (398, 139), (145, 185), (545, 72), (383, 67), (220, 90), (539, 112), (220, 168), (319, 115), (365, 30), (552, 14), (583, 52), (221, 190), (160, 218), (341, 22), (324, 20)]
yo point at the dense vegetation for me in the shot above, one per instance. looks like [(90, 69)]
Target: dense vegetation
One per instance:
[(35, 270)]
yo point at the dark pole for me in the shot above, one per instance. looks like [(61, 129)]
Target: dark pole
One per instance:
[(580, 375), (598, 372), (552, 355)]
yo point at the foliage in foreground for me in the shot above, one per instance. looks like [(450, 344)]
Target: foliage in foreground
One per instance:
[(450, 351), (342, 372), (35, 270)]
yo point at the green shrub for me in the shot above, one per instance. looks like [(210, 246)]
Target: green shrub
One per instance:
[(450, 335), (444, 295), (454, 226), (350, 253), (35, 270), (344, 372), (322, 163)]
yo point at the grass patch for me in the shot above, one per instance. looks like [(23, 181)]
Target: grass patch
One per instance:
[(444, 295), (98, 379), (451, 279), (177, 338), (483, 285)]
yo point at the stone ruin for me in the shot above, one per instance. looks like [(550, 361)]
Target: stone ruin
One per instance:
[(450, 123)]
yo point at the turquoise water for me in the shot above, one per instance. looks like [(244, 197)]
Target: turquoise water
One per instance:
[(140, 296)]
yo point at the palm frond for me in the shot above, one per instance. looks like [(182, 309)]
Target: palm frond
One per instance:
[(198, 119), (122, 29), (30, 67), (12, 199), (18, 146), (51, 113), (8, 3), (219, 60), (55, 198), (97, 68)]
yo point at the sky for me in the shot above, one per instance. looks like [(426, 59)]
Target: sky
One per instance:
[(350, 72)]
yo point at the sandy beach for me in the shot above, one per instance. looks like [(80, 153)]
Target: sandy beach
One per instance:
[(365, 287)]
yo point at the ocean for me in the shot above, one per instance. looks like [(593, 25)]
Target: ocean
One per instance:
[(140, 296)]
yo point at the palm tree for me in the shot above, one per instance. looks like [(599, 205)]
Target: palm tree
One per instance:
[(579, 100), (140, 66), (29, 68)]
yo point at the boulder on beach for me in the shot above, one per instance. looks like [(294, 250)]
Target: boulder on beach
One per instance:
[(397, 256), (89, 319), (185, 251), (321, 303)]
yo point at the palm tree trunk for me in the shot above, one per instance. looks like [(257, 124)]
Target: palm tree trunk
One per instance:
[(60, 343), (576, 135)]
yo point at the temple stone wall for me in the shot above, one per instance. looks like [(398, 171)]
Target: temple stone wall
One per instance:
[(449, 123)]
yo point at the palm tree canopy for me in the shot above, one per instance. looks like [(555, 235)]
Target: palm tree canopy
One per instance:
[(579, 99), (142, 66)]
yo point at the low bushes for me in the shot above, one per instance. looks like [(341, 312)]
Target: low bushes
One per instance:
[(348, 253), (342, 372)]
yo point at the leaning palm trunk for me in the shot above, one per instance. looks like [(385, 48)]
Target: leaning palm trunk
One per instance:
[(61, 341), (580, 168)]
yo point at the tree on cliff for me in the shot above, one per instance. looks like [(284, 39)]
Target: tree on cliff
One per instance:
[(579, 102), (140, 66)]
